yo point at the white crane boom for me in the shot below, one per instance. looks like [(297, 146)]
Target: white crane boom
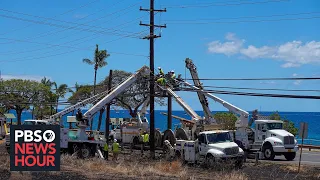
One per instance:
[(183, 104), (115, 92), (203, 100), (78, 105), (241, 122)]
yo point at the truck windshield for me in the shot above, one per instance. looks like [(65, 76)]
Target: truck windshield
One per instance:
[(274, 126), (29, 123), (218, 137)]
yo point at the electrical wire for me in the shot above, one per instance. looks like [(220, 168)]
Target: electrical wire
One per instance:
[(264, 89), (255, 94), (248, 21), (256, 79), (94, 20), (247, 17), (198, 5), (85, 5)]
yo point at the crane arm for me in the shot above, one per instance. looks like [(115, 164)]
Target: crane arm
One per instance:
[(203, 100), (183, 104), (145, 106), (115, 92), (242, 121), (77, 105)]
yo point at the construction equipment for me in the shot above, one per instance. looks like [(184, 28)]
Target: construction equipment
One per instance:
[(193, 143), (268, 137), (78, 141)]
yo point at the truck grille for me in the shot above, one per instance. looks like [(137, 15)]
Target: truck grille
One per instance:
[(231, 151), (288, 140)]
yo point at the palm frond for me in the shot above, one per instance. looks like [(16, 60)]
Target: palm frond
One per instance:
[(88, 61)]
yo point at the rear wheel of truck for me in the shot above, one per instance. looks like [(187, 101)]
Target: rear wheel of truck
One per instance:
[(268, 152), (85, 151), (290, 156)]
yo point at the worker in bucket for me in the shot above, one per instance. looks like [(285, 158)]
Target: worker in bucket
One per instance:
[(161, 73), (173, 75), (161, 81), (106, 151), (79, 115), (115, 150)]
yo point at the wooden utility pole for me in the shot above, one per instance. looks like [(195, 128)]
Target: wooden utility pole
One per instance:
[(151, 38), (107, 131)]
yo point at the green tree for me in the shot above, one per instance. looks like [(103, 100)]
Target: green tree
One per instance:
[(228, 120), (98, 62), (19, 94), (60, 92), (288, 125)]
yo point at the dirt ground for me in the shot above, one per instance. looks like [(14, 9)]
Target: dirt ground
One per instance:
[(133, 166)]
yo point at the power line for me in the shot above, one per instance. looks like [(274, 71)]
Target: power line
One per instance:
[(247, 17), (255, 94), (54, 16), (94, 20), (248, 21), (224, 4), (265, 89), (62, 26), (256, 79)]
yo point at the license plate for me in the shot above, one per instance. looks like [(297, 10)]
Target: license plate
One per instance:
[(289, 150)]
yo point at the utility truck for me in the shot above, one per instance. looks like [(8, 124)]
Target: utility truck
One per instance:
[(199, 142), (77, 140), (267, 137)]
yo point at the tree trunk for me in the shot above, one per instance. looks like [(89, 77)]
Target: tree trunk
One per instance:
[(57, 105), (32, 112), (100, 118), (19, 112), (95, 78)]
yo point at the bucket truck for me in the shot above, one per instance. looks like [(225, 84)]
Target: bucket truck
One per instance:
[(268, 137), (78, 141), (200, 143)]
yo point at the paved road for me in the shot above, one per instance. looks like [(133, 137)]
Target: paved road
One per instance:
[(308, 157)]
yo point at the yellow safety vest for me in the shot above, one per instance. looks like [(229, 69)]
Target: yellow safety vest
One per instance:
[(146, 138), (115, 147), (106, 147)]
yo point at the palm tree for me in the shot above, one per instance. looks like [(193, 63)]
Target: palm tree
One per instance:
[(60, 92), (98, 62)]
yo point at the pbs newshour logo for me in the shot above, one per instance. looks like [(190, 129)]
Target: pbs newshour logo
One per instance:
[(35, 148)]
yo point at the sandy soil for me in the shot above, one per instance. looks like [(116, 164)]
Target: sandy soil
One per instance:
[(133, 166)]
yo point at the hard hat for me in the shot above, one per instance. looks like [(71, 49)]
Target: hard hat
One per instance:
[(172, 71), (115, 140), (159, 67)]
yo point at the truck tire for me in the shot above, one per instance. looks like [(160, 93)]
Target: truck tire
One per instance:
[(85, 151), (268, 152), (210, 160), (290, 156)]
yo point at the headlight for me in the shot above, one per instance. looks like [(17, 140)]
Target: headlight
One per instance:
[(277, 143)]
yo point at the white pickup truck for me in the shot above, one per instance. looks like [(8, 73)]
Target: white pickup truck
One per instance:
[(210, 147)]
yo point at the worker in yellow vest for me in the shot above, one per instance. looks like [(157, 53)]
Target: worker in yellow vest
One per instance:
[(115, 150), (106, 151)]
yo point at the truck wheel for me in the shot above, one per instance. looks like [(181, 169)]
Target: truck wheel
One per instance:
[(85, 151), (290, 156), (268, 152), (210, 160)]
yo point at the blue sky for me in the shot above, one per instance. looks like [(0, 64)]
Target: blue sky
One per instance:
[(267, 43)]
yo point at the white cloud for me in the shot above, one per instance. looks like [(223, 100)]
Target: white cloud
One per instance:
[(27, 77), (294, 74), (227, 48), (293, 54)]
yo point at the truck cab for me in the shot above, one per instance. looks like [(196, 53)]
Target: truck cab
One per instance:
[(218, 145), (273, 140), (210, 147)]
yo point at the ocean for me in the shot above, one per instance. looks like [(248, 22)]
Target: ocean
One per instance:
[(312, 118)]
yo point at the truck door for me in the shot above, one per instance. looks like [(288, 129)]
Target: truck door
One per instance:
[(261, 131), (202, 145)]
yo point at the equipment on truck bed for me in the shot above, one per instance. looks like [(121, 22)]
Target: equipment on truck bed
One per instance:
[(268, 137)]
